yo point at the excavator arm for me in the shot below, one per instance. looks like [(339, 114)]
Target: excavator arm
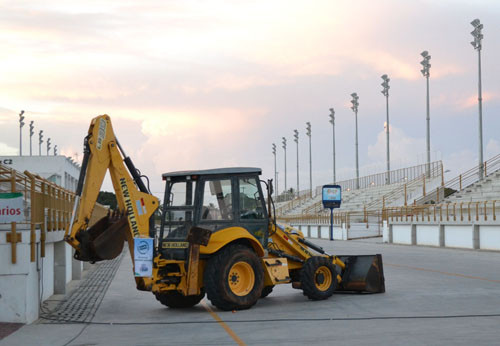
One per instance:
[(133, 219)]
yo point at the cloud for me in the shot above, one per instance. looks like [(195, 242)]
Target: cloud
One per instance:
[(7, 150), (403, 148)]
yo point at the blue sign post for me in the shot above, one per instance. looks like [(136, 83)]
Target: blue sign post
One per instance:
[(332, 197)]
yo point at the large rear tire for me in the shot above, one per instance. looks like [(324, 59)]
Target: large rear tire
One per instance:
[(318, 278), (177, 300), (234, 278)]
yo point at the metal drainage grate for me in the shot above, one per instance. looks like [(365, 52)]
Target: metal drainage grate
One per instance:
[(81, 304)]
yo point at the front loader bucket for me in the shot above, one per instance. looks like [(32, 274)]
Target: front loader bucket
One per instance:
[(104, 240), (363, 273)]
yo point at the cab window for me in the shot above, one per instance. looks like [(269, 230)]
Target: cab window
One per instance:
[(250, 200), (217, 200)]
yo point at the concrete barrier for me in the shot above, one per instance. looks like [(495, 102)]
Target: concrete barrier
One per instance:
[(23, 285), (480, 235)]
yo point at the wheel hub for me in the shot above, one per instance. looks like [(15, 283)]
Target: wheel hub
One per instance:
[(241, 278)]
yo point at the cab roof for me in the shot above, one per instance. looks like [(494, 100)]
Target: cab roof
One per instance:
[(215, 171)]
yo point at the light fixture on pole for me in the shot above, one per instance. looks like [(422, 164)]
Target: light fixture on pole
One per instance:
[(426, 73), (31, 136), (354, 107), (40, 141), (48, 146), (296, 140), (478, 36), (332, 121), (275, 173), (309, 133), (55, 150), (385, 92), (21, 124), (284, 148)]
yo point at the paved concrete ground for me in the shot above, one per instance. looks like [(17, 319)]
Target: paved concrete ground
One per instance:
[(434, 296)]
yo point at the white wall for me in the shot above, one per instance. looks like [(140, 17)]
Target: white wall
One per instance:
[(428, 235), (401, 234), (458, 236), (21, 283), (483, 235)]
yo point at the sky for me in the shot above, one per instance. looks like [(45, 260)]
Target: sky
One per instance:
[(206, 84)]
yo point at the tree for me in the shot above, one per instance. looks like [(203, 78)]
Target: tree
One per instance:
[(107, 198)]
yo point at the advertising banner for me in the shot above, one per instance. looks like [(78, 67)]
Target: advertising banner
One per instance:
[(11, 207)]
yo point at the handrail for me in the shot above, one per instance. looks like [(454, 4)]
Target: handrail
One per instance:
[(436, 171), (380, 179), (471, 176), (455, 212)]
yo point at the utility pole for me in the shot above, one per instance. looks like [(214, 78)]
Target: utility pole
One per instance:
[(308, 133), (385, 92), (21, 124), (296, 140), (332, 121)]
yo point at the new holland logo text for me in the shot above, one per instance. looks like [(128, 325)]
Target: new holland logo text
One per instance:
[(130, 208)]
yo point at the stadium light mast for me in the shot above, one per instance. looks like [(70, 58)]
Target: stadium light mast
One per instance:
[(284, 148), (332, 121), (21, 124), (40, 141), (385, 92), (478, 36), (309, 134), (48, 146), (426, 73), (55, 150), (354, 107), (31, 137), (275, 173), (296, 140)]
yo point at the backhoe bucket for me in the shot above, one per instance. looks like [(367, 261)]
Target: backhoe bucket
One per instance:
[(362, 274), (104, 240)]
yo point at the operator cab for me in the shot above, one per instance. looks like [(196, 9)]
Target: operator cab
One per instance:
[(213, 199)]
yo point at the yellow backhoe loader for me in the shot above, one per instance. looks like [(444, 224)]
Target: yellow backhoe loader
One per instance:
[(217, 235)]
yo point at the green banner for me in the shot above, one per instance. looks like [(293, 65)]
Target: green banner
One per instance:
[(10, 195)]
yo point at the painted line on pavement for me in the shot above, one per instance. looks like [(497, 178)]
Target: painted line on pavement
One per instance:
[(441, 272), (223, 324)]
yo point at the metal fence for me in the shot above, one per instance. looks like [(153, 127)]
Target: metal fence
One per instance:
[(47, 207), (456, 212)]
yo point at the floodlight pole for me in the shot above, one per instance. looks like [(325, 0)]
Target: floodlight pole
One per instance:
[(31, 136), (284, 148), (296, 140), (21, 124), (275, 173), (354, 107), (385, 92), (309, 134), (478, 36), (40, 141), (426, 73), (332, 121)]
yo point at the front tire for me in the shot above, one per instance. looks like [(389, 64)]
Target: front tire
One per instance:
[(176, 300), (234, 278), (318, 278)]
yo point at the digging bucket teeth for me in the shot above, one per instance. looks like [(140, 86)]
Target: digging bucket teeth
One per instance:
[(104, 240), (363, 273)]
